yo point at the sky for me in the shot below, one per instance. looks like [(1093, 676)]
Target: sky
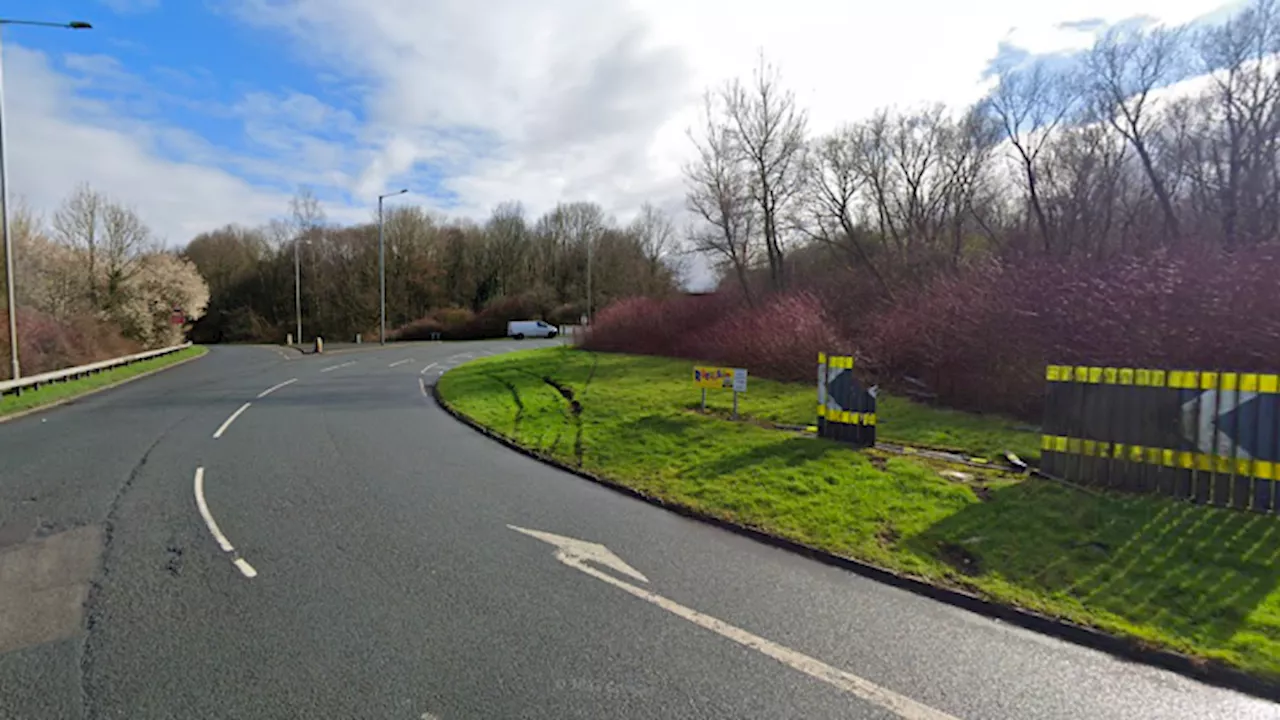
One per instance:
[(200, 113)]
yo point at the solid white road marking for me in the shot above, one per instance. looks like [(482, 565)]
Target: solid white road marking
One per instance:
[(241, 564), (577, 553), (212, 524), (425, 369), (227, 423), (400, 362), (276, 387), (335, 367)]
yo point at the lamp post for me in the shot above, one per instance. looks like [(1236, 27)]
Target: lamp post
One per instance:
[(297, 288), (4, 197), (382, 271)]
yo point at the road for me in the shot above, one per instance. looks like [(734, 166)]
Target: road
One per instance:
[(351, 551)]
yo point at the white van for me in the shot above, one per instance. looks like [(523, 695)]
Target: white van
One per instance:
[(521, 329)]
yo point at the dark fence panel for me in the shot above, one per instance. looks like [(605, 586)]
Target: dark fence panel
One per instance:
[(846, 409), (1207, 436)]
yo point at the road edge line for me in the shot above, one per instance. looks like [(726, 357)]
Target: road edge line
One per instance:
[(95, 391), (1124, 648)]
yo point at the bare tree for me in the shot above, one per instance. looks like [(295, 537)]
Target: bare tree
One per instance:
[(1125, 66), (78, 224), (125, 240), (655, 233), (1030, 105), (834, 180), (1228, 137), (718, 193), (769, 135)]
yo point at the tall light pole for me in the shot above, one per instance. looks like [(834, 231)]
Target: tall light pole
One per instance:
[(382, 271), (297, 288), (14, 368)]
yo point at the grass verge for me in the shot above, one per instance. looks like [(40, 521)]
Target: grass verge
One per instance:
[(61, 392), (1197, 580)]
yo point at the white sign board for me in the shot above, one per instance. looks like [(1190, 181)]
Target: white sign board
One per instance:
[(739, 380)]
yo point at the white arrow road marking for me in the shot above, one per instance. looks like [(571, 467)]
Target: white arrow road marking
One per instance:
[(335, 367), (425, 369), (276, 387), (570, 551), (577, 553), (241, 564), (400, 362), (227, 423)]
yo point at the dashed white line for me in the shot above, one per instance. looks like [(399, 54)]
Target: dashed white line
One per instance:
[(422, 384), (335, 367), (227, 423), (212, 524), (400, 362), (425, 369), (276, 387), (245, 568), (241, 564)]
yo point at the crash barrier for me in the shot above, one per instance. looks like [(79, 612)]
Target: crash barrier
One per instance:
[(17, 387), (1206, 436), (846, 409)]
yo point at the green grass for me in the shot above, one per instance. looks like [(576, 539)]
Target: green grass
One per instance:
[(1198, 580), (57, 392)]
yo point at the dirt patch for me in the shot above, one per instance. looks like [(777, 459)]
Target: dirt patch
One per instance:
[(982, 492), (888, 535), (879, 461), (959, 558), (566, 392)]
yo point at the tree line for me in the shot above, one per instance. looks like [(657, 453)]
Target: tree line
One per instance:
[(1153, 137), (433, 262), (93, 281)]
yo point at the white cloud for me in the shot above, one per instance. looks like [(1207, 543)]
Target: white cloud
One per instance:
[(589, 99), (506, 99), (56, 141)]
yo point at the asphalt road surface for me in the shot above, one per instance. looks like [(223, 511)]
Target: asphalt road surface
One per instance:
[(344, 549)]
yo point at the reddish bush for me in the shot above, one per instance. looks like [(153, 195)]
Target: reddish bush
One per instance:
[(46, 344), (980, 339), (779, 337)]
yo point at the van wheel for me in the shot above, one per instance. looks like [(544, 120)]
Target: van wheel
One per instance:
[(553, 334), (518, 336)]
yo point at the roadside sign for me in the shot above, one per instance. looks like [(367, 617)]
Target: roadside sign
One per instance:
[(713, 377), (720, 378)]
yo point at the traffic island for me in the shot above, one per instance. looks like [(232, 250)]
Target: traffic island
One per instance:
[(1189, 588)]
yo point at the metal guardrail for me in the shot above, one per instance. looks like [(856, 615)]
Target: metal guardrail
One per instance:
[(16, 387)]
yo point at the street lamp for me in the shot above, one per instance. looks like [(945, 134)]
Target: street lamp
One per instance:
[(382, 272), (4, 197)]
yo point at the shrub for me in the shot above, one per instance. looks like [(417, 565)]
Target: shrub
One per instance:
[(46, 344), (980, 338)]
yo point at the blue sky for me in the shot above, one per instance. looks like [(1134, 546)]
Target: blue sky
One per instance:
[(205, 112)]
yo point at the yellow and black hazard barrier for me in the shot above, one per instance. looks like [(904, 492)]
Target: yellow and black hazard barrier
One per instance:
[(1206, 436), (846, 410)]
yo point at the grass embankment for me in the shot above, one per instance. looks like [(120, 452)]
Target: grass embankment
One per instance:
[(60, 392), (1197, 580)]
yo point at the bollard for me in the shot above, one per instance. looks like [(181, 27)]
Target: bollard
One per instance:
[(288, 339), (357, 338), (319, 345)]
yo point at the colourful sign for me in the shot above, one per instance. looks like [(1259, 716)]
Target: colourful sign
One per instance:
[(720, 377)]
